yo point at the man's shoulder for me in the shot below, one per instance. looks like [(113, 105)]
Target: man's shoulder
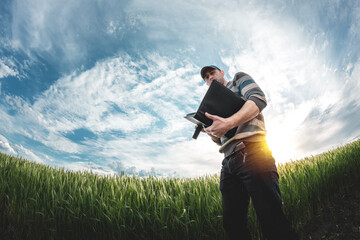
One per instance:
[(240, 77)]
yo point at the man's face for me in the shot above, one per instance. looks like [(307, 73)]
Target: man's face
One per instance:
[(214, 74)]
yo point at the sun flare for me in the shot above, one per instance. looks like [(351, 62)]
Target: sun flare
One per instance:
[(279, 143)]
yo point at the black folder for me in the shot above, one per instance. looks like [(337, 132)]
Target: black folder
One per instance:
[(218, 100)]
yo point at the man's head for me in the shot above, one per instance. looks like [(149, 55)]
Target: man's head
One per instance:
[(211, 72)]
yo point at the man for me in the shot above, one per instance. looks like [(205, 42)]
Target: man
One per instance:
[(248, 169)]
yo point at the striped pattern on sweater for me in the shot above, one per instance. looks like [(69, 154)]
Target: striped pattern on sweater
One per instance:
[(253, 130)]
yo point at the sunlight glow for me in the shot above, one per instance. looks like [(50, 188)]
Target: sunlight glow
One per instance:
[(280, 143)]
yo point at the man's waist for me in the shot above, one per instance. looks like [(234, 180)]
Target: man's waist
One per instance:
[(233, 144)]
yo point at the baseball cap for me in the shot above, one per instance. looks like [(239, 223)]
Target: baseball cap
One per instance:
[(207, 68)]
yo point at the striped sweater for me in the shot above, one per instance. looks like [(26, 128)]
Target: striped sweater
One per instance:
[(253, 130)]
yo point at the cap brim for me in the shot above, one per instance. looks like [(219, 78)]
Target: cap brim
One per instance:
[(206, 69)]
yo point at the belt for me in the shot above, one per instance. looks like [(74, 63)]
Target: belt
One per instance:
[(233, 147)]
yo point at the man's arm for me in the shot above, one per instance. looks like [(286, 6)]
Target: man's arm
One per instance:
[(215, 139), (220, 125)]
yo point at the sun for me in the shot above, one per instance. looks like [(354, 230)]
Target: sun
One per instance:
[(279, 143)]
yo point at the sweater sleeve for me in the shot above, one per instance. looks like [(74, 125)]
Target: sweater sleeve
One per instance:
[(250, 90)]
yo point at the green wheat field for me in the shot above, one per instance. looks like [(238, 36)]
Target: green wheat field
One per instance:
[(41, 202)]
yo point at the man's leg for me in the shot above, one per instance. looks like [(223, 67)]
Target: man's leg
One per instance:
[(235, 203), (266, 198), (262, 184)]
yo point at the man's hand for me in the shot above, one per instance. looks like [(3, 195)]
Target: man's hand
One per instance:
[(215, 139), (219, 127)]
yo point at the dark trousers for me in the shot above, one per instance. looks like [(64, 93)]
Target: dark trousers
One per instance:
[(251, 173)]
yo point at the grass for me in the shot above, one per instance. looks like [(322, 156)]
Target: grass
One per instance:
[(40, 202)]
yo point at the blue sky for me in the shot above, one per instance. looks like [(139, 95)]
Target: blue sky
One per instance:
[(104, 85)]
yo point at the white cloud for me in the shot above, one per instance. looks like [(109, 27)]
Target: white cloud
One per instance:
[(6, 71), (352, 83), (28, 154), (113, 96), (5, 145), (68, 32), (33, 124), (192, 157), (81, 166), (184, 156), (19, 150)]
